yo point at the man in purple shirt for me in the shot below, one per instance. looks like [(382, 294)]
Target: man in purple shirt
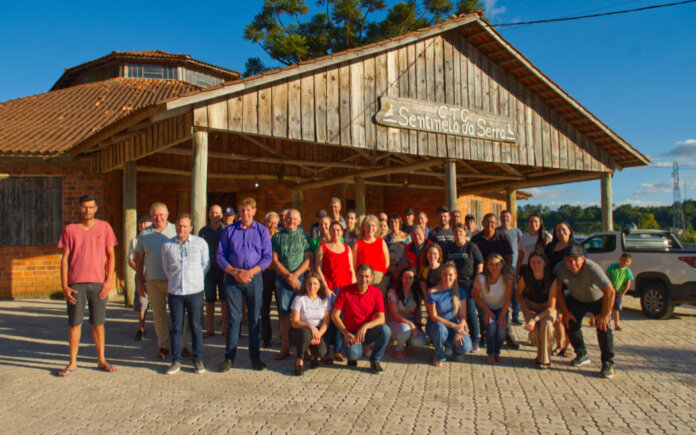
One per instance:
[(243, 253)]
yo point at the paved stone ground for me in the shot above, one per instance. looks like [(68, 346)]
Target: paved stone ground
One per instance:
[(653, 391)]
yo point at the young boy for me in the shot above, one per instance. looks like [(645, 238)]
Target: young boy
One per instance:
[(621, 277)]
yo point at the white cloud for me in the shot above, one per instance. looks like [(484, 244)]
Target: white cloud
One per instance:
[(491, 10), (683, 149), (547, 194), (642, 203), (657, 188)]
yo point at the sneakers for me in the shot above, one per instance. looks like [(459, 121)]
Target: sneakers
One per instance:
[(225, 366), (198, 367), (258, 365), (580, 360), (475, 348), (173, 369), (607, 371), (376, 367)]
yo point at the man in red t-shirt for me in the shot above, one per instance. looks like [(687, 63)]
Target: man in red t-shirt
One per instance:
[(87, 272), (362, 308)]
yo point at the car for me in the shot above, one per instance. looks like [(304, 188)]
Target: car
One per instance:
[(664, 271)]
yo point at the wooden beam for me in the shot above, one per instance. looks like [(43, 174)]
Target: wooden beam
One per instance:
[(360, 208), (478, 187), (221, 176), (451, 184), (404, 186), (607, 206), (371, 173), (258, 143), (199, 180), (512, 204), (130, 226), (263, 159), (510, 170)]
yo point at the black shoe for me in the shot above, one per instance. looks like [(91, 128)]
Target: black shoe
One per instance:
[(510, 343), (607, 371), (139, 335), (258, 365), (580, 360), (299, 370), (352, 363), (517, 322), (225, 366), (314, 363), (376, 367)]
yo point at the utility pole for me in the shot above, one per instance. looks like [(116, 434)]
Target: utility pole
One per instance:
[(678, 221)]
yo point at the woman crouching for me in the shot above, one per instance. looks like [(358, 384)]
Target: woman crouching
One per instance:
[(492, 293), (310, 312)]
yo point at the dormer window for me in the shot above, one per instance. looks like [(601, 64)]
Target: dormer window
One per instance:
[(149, 71)]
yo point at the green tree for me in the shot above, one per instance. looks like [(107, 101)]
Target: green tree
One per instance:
[(285, 30)]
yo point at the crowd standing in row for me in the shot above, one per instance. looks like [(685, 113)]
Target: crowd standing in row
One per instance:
[(343, 292)]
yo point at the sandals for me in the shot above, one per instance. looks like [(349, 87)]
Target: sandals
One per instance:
[(299, 370), (107, 368), (65, 372), (566, 352), (338, 357), (328, 360), (437, 363)]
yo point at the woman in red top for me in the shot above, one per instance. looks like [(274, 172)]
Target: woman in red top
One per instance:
[(373, 251), (334, 261)]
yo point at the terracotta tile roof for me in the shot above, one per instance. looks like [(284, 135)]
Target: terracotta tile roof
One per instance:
[(68, 77), (51, 123)]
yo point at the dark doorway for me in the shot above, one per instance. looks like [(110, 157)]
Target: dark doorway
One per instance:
[(223, 199)]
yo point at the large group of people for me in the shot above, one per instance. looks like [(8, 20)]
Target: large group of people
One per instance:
[(348, 288)]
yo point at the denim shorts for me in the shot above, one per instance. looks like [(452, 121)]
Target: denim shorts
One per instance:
[(87, 292), (618, 304), (285, 294)]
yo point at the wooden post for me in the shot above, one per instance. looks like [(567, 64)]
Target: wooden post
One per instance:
[(199, 180), (297, 199), (451, 184), (130, 226), (360, 199), (607, 213), (512, 204)]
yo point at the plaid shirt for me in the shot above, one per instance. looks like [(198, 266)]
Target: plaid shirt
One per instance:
[(185, 264)]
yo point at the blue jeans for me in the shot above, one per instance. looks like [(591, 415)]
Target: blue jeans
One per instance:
[(402, 333), (252, 293), (495, 336), (285, 294), (442, 337), (193, 305), (379, 336), (514, 303), (472, 314), (333, 335)]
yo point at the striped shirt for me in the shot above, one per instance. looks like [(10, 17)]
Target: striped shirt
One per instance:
[(185, 264)]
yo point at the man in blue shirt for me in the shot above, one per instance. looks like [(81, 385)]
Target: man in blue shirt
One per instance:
[(244, 252), (185, 259)]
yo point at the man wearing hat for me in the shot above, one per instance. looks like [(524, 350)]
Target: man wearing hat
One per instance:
[(442, 235), (409, 220), (589, 290), (140, 302), (228, 216)]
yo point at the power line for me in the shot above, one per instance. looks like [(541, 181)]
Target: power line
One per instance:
[(603, 14)]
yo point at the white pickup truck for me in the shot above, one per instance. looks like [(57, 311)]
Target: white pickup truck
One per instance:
[(664, 272)]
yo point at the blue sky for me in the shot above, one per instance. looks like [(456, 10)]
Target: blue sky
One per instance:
[(634, 71)]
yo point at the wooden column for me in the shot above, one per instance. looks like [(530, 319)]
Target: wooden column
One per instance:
[(297, 199), (199, 180), (451, 185), (512, 204), (360, 208), (607, 213), (130, 226)]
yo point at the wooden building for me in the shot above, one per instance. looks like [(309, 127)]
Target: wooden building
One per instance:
[(448, 114)]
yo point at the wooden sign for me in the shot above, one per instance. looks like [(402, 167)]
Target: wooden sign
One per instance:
[(444, 119)]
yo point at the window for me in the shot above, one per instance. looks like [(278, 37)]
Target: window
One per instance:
[(600, 244), (99, 74), (475, 208), (148, 71), (200, 79), (496, 208), (32, 211), (649, 241)]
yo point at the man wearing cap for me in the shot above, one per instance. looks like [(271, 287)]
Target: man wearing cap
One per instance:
[(140, 302), (442, 235), (409, 220), (215, 277), (470, 224), (589, 290), (228, 216)]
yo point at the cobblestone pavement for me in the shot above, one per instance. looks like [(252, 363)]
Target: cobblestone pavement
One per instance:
[(653, 391)]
